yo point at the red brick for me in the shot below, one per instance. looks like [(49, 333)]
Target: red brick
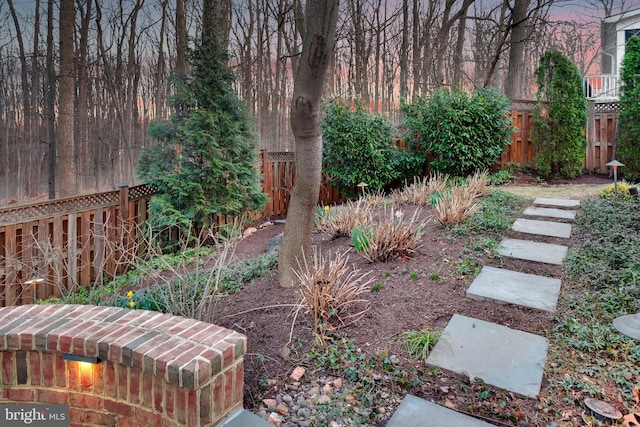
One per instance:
[(148, 417), (228, 389), (110, 382), (239, 344), (170, 400), (170, 423), (8, 368), (13, 341), (86, 376), (81, 400), (193, 406), (181, 405), (145, 355), (134, 385), (218, 396), (60, 370), (35, 372), (19, 394), (147, 389), (176, 367), (76, 415), (53, 396), (238, 384), (199, 331), (119, 408), (131, 422), (123, 382), (48, 370), (98, 378), (73, 372), (212, 340), (158, 394), (100, 418), (227, 357), (161, 362), (95, 313)]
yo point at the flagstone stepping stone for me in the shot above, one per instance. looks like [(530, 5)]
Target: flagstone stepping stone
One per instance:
[(533, 251), (499, 356), (542, 228), (416, 412), (550, 212), (628, 325), (561, 203), (506, 286)]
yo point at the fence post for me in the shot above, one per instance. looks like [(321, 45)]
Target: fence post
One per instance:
[(124, 202), (591, 136), (124, 229)]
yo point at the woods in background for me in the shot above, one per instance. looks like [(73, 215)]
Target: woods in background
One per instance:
[(80, 80)]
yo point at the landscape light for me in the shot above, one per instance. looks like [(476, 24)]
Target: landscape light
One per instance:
[(78, 358), (615, 164)]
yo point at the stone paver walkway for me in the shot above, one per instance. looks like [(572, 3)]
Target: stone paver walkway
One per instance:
[(533, 251), (500, 356), (542, 228), (513, 287)]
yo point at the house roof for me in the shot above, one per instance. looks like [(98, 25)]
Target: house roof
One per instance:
[(622, 16)]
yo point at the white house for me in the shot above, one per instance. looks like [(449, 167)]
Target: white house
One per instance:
[(615, 32)]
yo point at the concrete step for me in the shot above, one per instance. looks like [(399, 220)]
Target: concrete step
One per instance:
[(416, 412), (542, 228), (533, 251), (500, 356), (558, 203), (550, 212), (506, 286), (244, 418)]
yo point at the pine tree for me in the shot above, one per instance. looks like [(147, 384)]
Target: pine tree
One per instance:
[(204, 161), (628, 151), (560, 117)]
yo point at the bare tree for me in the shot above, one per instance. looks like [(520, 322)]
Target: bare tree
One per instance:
[(519, 33), (318, 43), (66, 164)]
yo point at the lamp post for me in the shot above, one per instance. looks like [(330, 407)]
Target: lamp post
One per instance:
[(615, 164), (34, 282)]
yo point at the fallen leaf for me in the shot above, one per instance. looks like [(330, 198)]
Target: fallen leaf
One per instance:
[(632, 419)]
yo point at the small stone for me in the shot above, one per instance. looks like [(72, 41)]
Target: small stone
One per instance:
[(285, 353), (334, 424), (297, 373), (314, 391), (278, 399), (351, 399), (337, 383), (301, 402), (249, 231), (322, 399), (326, 389), (275, 419), (265, 224), (282, 409), (272, 382), (444, 389), (270, 404), (287, 398), (384, 395)]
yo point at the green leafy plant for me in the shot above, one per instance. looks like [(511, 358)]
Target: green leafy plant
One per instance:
[(560, 117), (419, 343), (629, 112), (500, 177), (357, 147), (203, 160), (435, 277), (464, 132), (414, 275), (361, 237), (377, 287), (622, 189)]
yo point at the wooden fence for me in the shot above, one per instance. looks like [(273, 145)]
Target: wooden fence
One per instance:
[(59, 245), (50, 247)]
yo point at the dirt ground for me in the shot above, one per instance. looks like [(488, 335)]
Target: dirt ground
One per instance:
[(414, 294)]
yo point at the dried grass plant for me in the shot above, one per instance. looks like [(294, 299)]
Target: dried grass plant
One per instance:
[(331, 291), (393, 236), (420, 192), (339, 221), (479, 183), (456, 205)]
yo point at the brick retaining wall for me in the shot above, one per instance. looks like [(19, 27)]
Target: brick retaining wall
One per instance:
[(155, 369)]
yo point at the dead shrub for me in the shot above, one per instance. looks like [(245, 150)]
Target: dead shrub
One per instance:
[(456, 205), (420, 192), (391, 237), (339, 221), (330, 291)]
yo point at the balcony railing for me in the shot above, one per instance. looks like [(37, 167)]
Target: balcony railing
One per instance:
[(602, 88)]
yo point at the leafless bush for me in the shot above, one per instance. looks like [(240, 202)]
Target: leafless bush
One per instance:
[(420, 192), (339, 221), (331, 291), (456, 205), (391, 237)]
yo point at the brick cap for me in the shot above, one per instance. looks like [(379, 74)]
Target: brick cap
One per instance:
[(185, 352)]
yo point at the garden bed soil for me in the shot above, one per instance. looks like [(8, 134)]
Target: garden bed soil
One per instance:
[(414, 294)]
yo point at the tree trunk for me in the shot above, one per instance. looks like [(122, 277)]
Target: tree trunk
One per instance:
[(404, 51), (318, 44), (181, 37), (66, 146), (514, 80), (50, 88), (216, 16), (458, 63)]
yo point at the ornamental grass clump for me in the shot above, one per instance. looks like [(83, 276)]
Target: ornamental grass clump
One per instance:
[(420, 192), (456, 205), (478, 183), (339, 221), (610, 190), (331, 291), (392, 236), (420, 343)]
